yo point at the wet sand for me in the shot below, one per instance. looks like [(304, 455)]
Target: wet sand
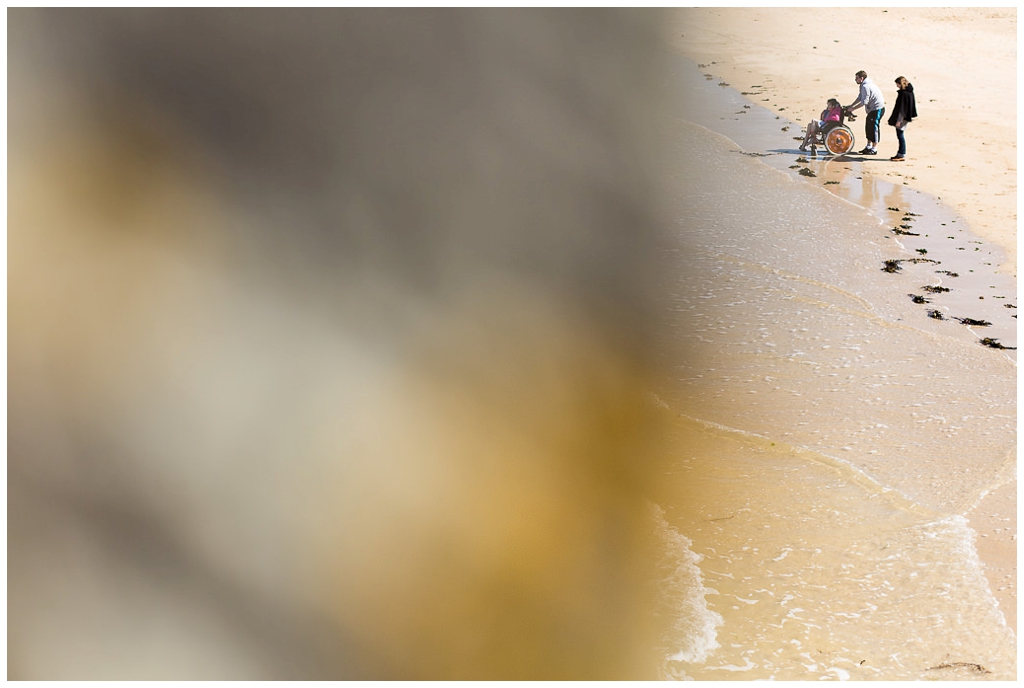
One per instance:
[(995, 522), (846, 434), (772, 58)]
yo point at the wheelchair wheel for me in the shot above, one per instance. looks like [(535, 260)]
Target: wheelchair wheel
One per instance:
[(839, 140)]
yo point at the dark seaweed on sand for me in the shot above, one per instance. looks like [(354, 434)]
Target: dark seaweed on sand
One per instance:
[(948, 272), (807, 173), (936, 314), (994, 344), (972, 322), (899, 230), (894, 265), (965, 665), (934, 289), (917, 298)]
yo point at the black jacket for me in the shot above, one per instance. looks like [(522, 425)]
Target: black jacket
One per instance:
[(906, 106)]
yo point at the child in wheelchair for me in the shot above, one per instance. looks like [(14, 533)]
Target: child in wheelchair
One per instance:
[(831, 116)]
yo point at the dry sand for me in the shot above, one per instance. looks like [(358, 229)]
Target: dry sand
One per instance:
[(962, 148)]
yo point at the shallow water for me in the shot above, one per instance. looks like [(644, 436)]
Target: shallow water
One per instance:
[(831, 435)]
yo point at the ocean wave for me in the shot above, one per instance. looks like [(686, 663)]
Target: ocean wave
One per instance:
[(690, 632)]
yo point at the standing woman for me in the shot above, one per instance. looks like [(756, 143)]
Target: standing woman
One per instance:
[(903, 112)]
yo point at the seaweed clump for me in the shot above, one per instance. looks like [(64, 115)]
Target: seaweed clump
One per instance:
[(917, 298), (994, 344), (933, 289), (894, 265), (972, 322), (936, 314), (966, 665)]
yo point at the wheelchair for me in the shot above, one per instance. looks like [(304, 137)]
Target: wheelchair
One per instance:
[(836, 138)]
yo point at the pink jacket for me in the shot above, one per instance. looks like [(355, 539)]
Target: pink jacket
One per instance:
[(833, 115)]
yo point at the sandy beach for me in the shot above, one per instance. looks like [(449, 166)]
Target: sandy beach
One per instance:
[(961, 149)]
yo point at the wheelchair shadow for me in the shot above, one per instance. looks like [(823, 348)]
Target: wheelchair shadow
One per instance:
[(821, 153)]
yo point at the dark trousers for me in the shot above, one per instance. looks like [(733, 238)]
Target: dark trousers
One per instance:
[(872, 123), (903, 143)]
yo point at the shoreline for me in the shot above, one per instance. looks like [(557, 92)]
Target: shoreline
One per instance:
[(994, 521), (774, 51)]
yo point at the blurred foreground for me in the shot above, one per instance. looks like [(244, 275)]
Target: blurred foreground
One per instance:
[(329, 344)]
